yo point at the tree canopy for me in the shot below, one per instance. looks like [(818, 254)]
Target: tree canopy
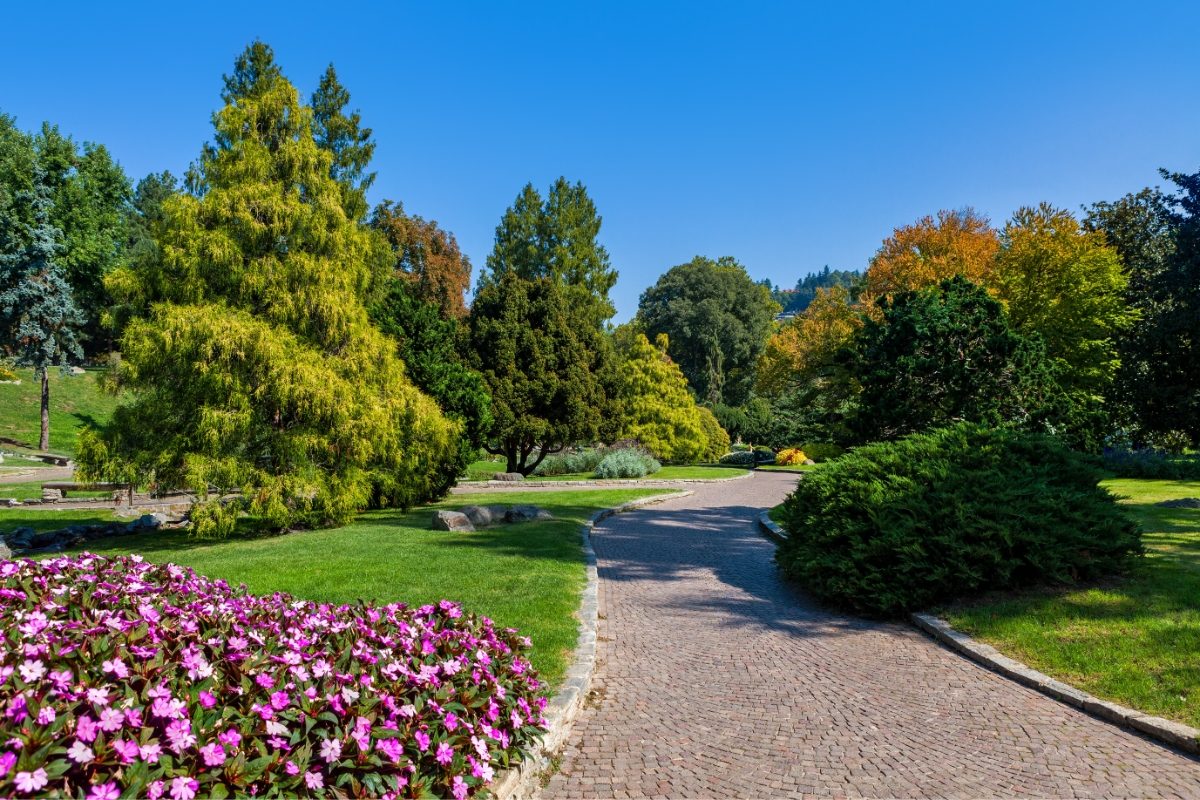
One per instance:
[(540, 366), (716, 320), (343, 134), (657, 408), (257, 368), (426, 257)]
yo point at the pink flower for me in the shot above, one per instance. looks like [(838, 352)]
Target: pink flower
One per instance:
[(183, 788), (313, 780), (116, 667), (422, 740), (111, 720), (180, 734), (291, 769), (32, 671), (229, 738), (331, 750), (459, 788), (451, 721), (213, 754), (98, 696), (105, 791), (392, 749), (86, 728), (30, 782), (46, 715), (150, 752), (445, 754), (7, 762), (80, 753), (208, 699), (155, 790), (280, 700)]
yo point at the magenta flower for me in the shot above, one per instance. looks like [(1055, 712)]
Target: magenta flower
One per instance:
[(116, 667), (207, 699), (229, 738), (291, 769), (155, 790), (331, 750), (104, 791), (313, 780), (183, 788), (150, 752), (422, 740), (459, 788), (213, 754), (445, 754)]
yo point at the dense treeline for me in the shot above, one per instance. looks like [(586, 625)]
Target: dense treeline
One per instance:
[(295, 354)]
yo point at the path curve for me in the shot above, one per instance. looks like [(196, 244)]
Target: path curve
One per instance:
[(715, 679)]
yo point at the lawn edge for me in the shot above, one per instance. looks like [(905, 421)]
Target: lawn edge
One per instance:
[(524, 779), (770, 528), (1175, 734)]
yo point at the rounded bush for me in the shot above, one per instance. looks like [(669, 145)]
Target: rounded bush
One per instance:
[(627, 464), (738, 458), (790, 457), (821, 451), (135, 679), (896, 526), (571, 463)]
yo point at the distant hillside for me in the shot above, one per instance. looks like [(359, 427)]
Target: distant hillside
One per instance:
[(796, 299), (75, 401)]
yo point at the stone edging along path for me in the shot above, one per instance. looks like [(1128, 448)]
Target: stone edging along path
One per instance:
[(1175, 734), (522, 780)]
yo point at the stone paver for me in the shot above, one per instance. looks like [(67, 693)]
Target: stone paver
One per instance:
[(715, 679)]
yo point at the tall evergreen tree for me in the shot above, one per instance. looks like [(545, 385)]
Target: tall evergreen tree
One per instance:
[(144, 218), (39, 316), (557, 239), (257, 368), (342, 133)]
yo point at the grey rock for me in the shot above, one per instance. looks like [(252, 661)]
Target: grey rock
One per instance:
[(480, 516), (527, 514), (511, 477), (10, 502), (451, 521), (19, 538), (5, 553), (1183, 502), (809, 462), (52, 494)]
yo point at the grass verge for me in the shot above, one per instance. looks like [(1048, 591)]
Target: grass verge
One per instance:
[(1134, 640), (75, 402), (668, 473), (18, 517), (527, 576)]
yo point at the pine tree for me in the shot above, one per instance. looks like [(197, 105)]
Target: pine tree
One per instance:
[(658, 409), (343, 135), (39, 314), (257, 368)]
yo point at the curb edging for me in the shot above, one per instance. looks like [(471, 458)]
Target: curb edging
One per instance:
[(769, 528), (522, 781), (1175, 734)]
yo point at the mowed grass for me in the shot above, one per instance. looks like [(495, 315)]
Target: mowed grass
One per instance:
[(31, 490), (1134, 640), (18, 517), (788, 467), (526, 576), (75, 402)]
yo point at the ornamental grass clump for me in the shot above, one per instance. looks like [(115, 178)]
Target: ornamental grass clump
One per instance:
[(627, 463), (126, 678), (897, 526)]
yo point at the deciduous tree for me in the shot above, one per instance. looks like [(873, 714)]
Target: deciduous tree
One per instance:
[(717, 321), (426, 257)]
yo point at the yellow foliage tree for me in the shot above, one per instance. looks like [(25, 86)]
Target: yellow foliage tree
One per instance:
[(659, 410), (800, 351)]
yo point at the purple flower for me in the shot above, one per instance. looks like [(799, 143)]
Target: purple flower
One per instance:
[(213, 754), (422, 740), (313, 780), (445, 754), (155, 790), (459, 788), (104, 791), (331, 750), (207, 699), (183, 788)]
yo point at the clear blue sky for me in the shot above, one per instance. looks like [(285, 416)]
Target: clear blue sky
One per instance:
[(789, 135)]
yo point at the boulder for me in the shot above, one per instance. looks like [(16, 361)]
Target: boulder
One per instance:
[(5, 553), (808, 462), (527, 514), (480, 516), (510, 477), (52, 494), (451, 521), (19, 538)]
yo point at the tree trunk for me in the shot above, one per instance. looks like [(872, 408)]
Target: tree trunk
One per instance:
[(44, 443)]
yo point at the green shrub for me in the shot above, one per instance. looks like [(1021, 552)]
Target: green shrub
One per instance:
[(764, 455), (739, 448), (738, 458), (1152, 464), (895, 526), (570, 463), (627, 464), (822, 451)]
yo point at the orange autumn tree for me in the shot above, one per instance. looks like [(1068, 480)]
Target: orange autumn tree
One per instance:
[(800, 352), (427, 257), (960, 242)]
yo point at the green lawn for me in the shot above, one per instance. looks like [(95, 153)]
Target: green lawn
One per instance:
[(484, 469), (789, 468), (75, 401), (527, 576), (668, 473), (51, 520), (1133, 640)]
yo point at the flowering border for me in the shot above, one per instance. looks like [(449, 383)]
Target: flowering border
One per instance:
[(523, 780)]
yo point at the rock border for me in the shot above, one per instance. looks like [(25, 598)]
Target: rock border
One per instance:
[(523, 780), (610, 483), (770, 528), (1175, 734)]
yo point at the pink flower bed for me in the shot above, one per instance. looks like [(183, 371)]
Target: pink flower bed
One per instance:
[(122, 677)]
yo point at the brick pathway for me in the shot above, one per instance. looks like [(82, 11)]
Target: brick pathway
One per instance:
[(714, 679)]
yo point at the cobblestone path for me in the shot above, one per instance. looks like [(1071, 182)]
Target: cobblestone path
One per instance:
[(715, 679)]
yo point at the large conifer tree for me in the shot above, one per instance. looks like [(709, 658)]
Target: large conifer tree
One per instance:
[(257, 368)]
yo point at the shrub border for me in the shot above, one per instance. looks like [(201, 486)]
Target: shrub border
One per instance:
[(1175, 734), (523, 780)]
